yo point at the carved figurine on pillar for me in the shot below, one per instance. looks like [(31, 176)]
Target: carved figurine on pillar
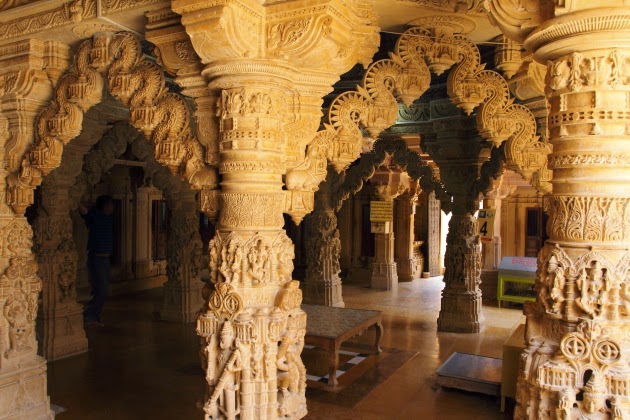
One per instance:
[(322, 285)]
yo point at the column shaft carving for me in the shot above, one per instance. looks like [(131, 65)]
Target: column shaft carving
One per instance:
[(384, 268), (388, 185), (28, 70), (434, 237), (461, 297), (183, 298), (467, 173), (409, 266), (322, 285), (269, 87), (576, 361), (61, 316)]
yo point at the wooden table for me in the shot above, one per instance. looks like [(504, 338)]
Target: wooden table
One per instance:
[(328, 327)]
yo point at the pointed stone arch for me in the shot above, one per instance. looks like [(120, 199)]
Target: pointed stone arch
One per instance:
[(115, 61), (54, 241), (432, 44)]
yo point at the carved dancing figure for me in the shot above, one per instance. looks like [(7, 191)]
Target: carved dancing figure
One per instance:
[(231, 259), (590, 286), (214, 263), (555, 273), (292, 372), (229, 364), (236, 265), (16, 311), (65, 280), (258, 259), (624, 297)]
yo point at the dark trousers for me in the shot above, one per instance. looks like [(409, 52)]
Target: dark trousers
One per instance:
[(98, 267)]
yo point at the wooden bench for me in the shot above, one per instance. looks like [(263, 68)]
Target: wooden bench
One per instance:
[(328, 327)]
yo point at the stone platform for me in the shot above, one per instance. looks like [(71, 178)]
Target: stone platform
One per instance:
[(470, 372)]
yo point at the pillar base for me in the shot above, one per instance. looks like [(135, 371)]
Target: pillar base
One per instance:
[(461, 312), (182, 303), (326, 293), (384, 276), (408, 269), (23, 393), (63, 335)]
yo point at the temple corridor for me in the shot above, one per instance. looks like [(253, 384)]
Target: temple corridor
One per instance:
[(138, 367), (298, 209)]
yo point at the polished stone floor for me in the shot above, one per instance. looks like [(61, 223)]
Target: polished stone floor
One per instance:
[(141, 367)]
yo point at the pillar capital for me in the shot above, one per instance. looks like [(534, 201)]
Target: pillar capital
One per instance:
[(271, 64), (292, 40)]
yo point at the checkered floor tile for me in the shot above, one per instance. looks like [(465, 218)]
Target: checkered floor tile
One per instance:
[(355, 359)]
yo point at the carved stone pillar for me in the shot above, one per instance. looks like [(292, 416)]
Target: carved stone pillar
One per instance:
[(461, 297), (61, 316), (143, 233), (28, 68), (434, 238), (456, 148), (494, 200), (60, 321), (387, 185), (322, 285), (406, 263), (384, 274), (183, 298), (576, 361), (270, 64)]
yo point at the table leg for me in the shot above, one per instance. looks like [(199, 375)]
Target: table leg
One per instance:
[(379, 335), (333, 364)]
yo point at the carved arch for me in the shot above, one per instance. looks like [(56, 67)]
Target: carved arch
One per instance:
[(405, 76), (417, 170), (114, 60), (102, 158), (407, 159), (470, 86)]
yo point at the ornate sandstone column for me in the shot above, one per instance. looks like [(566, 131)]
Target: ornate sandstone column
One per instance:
[(455, 147), (494, 200), (575, 364), (387, 186), (60, 321), (270, 63), (183, 291), (405, 211), (28, 70), (322, 285), (61, 317)]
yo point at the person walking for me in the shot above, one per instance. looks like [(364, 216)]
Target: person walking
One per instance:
[(100, 223)]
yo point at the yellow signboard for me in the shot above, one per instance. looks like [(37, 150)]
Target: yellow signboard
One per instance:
[(381, 211), (485, 221)]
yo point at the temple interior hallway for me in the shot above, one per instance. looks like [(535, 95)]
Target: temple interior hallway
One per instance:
[(142, 368)]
